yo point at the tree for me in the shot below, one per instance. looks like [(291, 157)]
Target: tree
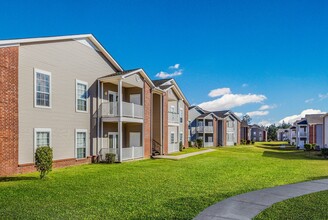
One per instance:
[(43, 160), (272, 132), (247, 119)]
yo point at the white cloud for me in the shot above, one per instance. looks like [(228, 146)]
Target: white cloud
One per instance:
[(257, 113), (244, 85), (219, 92), (175, 66), (266, 107), (228, 101), (264, 123), (177, 72), (239, 114), (309, 100), (291, 119), (323, 96)]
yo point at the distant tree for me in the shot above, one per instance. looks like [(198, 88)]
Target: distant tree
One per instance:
[(284, 125), (247, 119), (272, 132)]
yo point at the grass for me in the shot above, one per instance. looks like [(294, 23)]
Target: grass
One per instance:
[(154, 189), (312, 206), (188, 150)]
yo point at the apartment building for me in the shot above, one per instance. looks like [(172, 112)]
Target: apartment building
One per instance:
[(292, 135), (283, 134), (325, 130), (315, 123), (170, 117), (203, 125), (302, 133), (228, 128), (245, 131), (69, 93), (258, 133)]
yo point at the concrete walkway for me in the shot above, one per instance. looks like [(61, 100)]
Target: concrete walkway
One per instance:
[(248, 205), (182, 156)]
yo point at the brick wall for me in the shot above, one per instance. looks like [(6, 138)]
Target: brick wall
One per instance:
[(312, 134), (215, 132), (147, 118), (185, 135), (165, 124), (224, 132), (238, 132), (8, 110)]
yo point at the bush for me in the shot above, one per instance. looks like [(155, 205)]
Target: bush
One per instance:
[(253, 142), (199, 143), (248, 142), (189, 144), (110, 158), (269, 140), (324, 152), (243, 142), (180, 146), (308, 147), (43, 160)]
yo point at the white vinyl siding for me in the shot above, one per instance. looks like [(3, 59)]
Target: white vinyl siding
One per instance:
[(42, 137), (81, 143), (81, 96), (42, 89)]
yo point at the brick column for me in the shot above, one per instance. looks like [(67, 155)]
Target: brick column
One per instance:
[(215, 132), (185, 135), (8, 110), (147, 118), (165, 124), (238, 133)]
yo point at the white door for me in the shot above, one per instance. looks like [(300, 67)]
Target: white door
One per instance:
[(113, 140), (135, 139), (135, 99), (112, 103)]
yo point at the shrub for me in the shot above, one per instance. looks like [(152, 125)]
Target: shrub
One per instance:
[(248, 142), (243, 142), (189, 144), (235, 144), (253, 142), (110, 157), (308, 147), (324, 152), (43, 160), (269, 140), (180, 146), (199, 143)]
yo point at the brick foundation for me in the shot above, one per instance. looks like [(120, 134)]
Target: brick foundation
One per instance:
[(8, 110)]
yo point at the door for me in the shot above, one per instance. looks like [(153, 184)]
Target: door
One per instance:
[(113, 140), (112, 103)]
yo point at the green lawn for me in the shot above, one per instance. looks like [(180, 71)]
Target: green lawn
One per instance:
[(312, 206), (154, 189), (189, 150)]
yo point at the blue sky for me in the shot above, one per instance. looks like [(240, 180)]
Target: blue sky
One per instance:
[(277, 49)]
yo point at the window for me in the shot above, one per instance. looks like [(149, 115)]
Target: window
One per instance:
[(81, 143), (81, 96), (172, 138), (42, 137), (42, 88), (172, 108), (181, 115), (181, 137)]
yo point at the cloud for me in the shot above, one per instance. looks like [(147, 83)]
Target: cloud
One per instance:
[(323, 96), (291, 119), (257, 113), (177, 72), (266, 107), (239, 114), (244, 85), (228, 101), (309, 100), (219, 92), (264, 123), (175, 66)]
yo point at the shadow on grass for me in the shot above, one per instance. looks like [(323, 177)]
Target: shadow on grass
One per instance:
[(293, 155), (286, 148), (17, 178)]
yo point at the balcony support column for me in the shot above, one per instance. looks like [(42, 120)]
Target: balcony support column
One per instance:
[(120, 124), (204, 132)]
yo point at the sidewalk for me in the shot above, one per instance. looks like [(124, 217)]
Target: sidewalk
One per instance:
[(182, 156), (248, 205)]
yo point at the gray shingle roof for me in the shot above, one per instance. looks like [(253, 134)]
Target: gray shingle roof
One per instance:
[(314, 118), (120, 73), (159, 82), (221, 114)]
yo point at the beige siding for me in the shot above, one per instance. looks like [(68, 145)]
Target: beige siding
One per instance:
[(67, 61)]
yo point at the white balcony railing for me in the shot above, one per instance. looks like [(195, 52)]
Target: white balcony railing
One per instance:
[(173, 117), (110, 109), (208, 144), (206, 129), (230, 129), (130, 153), (302, 134), (173, 148)]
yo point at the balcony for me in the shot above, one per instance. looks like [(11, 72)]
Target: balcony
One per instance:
[(302, 134), (230, 129), (173, 117), (128, 153), (205, 129), (110, 109)]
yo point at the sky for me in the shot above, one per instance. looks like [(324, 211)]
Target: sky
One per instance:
[(268, 59)]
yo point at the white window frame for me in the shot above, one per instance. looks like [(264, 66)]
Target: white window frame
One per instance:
[(86, 143), (50, 88), (42, 130), (76, 98), (172, 132), (181, 115)]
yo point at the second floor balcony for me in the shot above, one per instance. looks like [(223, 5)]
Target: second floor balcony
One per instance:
[(111, 109), (302, 134), (205, 129)]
